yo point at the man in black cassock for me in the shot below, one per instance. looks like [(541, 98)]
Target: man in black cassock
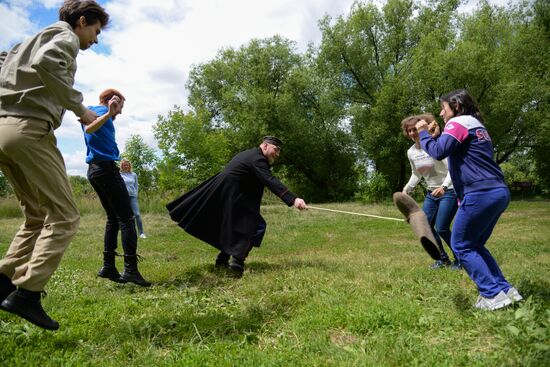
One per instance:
[(224, 211)]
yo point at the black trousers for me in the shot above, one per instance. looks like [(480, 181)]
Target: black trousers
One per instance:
[(256, 240), (110, 188)]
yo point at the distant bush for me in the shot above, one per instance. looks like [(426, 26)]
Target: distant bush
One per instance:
[(374, 187), (81, 186)]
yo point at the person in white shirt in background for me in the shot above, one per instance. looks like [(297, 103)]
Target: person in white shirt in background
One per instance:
[(131, 180), (440, 204)]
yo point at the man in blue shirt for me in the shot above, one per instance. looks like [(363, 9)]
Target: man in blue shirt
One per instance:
[(104, 176)]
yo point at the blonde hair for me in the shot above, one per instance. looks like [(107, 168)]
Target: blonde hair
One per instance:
[(407, 121), (124, 160)]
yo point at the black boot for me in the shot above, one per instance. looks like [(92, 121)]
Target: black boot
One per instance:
[(6, 287), (131, 272), (222, 261), (109, 269), (236, 267), (26, 304)]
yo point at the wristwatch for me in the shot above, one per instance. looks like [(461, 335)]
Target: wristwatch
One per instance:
[(445, 188)]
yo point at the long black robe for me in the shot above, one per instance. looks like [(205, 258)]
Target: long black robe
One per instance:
[(224, 211)]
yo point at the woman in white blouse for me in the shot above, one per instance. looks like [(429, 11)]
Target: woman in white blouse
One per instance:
[(440, 204)]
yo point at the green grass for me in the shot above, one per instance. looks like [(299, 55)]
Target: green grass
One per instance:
[(325, 289)]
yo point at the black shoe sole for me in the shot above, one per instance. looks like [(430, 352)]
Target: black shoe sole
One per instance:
[(116, 280), (9, 307), (138, 282)]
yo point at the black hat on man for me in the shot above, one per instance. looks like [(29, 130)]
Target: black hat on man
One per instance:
[(273, 140)]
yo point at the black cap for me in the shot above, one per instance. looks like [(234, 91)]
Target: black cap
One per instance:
[(273, 140)]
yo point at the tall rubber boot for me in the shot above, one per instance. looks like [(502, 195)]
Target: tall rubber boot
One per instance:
[(109, 270), (131, 273)]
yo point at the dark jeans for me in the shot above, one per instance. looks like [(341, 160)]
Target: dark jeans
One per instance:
[(440, 212), (110, 188)]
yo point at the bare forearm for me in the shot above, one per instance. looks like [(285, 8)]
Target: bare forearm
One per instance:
[(97, 123)]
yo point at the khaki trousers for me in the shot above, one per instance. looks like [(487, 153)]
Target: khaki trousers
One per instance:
[(34, 166)]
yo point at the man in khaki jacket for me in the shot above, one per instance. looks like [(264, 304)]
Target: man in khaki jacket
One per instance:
[(36, 87)]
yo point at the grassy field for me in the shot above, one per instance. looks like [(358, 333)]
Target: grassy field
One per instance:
[(324, 289)]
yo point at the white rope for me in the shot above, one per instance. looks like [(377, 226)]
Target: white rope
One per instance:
[(362, 214)]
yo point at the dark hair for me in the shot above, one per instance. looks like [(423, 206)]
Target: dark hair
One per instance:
[(72, 10), (462, 103), (428, 117)]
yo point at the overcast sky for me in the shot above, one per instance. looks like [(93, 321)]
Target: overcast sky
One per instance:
[(150, 46)]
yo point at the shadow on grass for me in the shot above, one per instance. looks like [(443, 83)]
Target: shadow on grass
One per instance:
[(165, 329), (208, 323), (208, 276), (538, 289), (263, 267), (462, 302)]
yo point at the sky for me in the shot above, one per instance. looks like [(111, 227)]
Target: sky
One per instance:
[(149, 48)]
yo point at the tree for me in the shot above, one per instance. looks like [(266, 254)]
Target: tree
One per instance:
[(143, 160), (192, 150), (369, 57), (338, 106), (263, 88), (541, 106), (399, 60)]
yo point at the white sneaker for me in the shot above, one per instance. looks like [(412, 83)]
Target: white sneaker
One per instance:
[(514, 295), (490, 304), (142, 235)]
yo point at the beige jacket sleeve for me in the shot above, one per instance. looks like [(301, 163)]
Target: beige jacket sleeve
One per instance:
[(55, 64)]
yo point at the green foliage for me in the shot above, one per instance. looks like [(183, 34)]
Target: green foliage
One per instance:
[(374, 187), (143, 160), (263, 88), (192, 150), (5, 187), (341, 103), (529, 333), (81, 186), (368, 56), (499, 59), (396, 61)]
